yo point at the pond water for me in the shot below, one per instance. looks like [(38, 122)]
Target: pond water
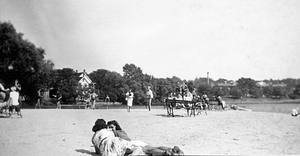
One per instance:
[(276, 108)]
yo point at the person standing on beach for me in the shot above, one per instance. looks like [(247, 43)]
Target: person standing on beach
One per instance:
[(39, 99), (221, 103), (58, 103), (149, 95), (129, 98), (15, 105), (93, 100), (205, 99)]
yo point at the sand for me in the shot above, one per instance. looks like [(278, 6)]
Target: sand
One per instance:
[(68, 131)]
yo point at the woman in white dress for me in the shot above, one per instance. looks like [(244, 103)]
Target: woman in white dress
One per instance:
[(129, 98)]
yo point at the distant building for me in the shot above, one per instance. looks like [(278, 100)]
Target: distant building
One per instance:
[(266, 84), (83, 79), (227, 84), (262, 84), (279, 85)]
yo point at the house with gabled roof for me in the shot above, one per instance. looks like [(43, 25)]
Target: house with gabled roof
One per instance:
[(83, 79)]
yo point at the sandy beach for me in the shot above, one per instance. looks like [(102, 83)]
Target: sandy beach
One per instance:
[(68, 131)]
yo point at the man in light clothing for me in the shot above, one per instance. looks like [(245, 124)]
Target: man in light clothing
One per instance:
[(14, 101), (149, 95)]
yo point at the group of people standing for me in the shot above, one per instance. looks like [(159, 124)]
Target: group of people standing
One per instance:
[(91, 102), (130, 95), (11, 97)]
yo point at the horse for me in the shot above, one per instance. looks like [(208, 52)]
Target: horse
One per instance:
[(180, 101), (170, 105), (198, 105)]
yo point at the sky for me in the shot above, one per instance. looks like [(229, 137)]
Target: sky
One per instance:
[(230, 39)]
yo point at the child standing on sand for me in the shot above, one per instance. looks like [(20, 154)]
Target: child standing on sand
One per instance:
[(14, 101)]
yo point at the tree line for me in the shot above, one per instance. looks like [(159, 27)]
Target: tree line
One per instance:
[(20, 59), (116, 85)]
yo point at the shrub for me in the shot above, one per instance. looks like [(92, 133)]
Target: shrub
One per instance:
[(293, 96)]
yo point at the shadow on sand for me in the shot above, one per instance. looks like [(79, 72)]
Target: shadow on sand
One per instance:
[(1, 116), (84, 151), (165, 115)]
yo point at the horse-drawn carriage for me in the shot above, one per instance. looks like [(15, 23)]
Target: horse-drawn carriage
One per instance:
[(182, 98)]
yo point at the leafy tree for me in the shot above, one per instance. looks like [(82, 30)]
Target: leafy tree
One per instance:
[(246, 84), (297, 90), (201, 81), (255, 92), (291, 83), (267, 91), (190, 85), (174, 82), (20, 59), (235, 92), (278, 91), (218, 91), (109, 83), (205, 89), (133, 72), (66, 82), (163, 89), (221, 80)]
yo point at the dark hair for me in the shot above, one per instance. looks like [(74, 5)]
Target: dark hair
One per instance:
[(99, 124), (115, 123)]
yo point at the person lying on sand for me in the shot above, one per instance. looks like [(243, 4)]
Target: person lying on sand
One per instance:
[(295, 112), (106, 143), (118, 131), (99, 125), (236, 107), (148, 149)]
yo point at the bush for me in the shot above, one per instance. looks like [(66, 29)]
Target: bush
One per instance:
[(293, 96), (235, 92)]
